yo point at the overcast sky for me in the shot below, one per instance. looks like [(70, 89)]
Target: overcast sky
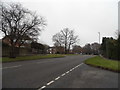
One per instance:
[(86, 17)]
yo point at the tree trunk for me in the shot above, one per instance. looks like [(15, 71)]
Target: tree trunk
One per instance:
[(65, 50), (69, 48)]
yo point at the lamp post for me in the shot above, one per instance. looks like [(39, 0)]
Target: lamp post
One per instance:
[(99, 43), (99, 37)]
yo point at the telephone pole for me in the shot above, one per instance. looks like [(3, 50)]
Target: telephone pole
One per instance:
[(99, 37), (99, 43)]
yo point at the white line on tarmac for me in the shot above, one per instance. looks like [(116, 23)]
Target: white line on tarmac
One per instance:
[(50, 82), (70, 70), (81, 64), (60, 77), (57, 78), (41, 87), (67, 72), (11, 67), (63, 74), (73, 68)]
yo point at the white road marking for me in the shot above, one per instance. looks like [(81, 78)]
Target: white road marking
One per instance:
[(67, 72), (41, 87), (73, 68), (11, 67), (63, 74), (50, 82), (81, 64), (57, 78), (76, 66)]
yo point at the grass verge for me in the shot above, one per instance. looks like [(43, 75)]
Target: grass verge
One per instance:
[(100, 62), (33, 57), (70, 54)]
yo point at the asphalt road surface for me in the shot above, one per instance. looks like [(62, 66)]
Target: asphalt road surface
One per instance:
[(67, 72)]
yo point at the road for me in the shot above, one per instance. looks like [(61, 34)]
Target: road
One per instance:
[(67, 72)]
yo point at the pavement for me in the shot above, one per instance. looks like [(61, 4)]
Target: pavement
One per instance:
[(66, 72)]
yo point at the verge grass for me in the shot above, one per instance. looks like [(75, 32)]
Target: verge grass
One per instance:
[(32, 57), (70, 54), (100, 62)]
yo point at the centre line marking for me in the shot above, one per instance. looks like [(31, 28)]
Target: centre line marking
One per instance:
[(77, 66), (67, 72), (11, 67), (50, 82), (42, 87), (73, 68), (57, 78), (63, 74)]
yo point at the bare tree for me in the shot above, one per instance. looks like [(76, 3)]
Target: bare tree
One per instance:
[(18, 24), (57, 38), (65, 38), (77, 49), (87, 49)]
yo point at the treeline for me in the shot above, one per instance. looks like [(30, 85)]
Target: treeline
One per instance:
[(110, 48)]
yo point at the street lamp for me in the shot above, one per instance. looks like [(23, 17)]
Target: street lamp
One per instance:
[(99, 37), (99, 43)]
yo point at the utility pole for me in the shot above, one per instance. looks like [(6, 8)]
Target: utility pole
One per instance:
[(99, 43), (99, 37), (118, 33)]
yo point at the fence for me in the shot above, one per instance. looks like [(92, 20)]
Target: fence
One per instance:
[(18, 52)]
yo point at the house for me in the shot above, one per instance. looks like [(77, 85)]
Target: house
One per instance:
[(51, 50), (56, 50), (27, 42), (25, 49), (60, 49)]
